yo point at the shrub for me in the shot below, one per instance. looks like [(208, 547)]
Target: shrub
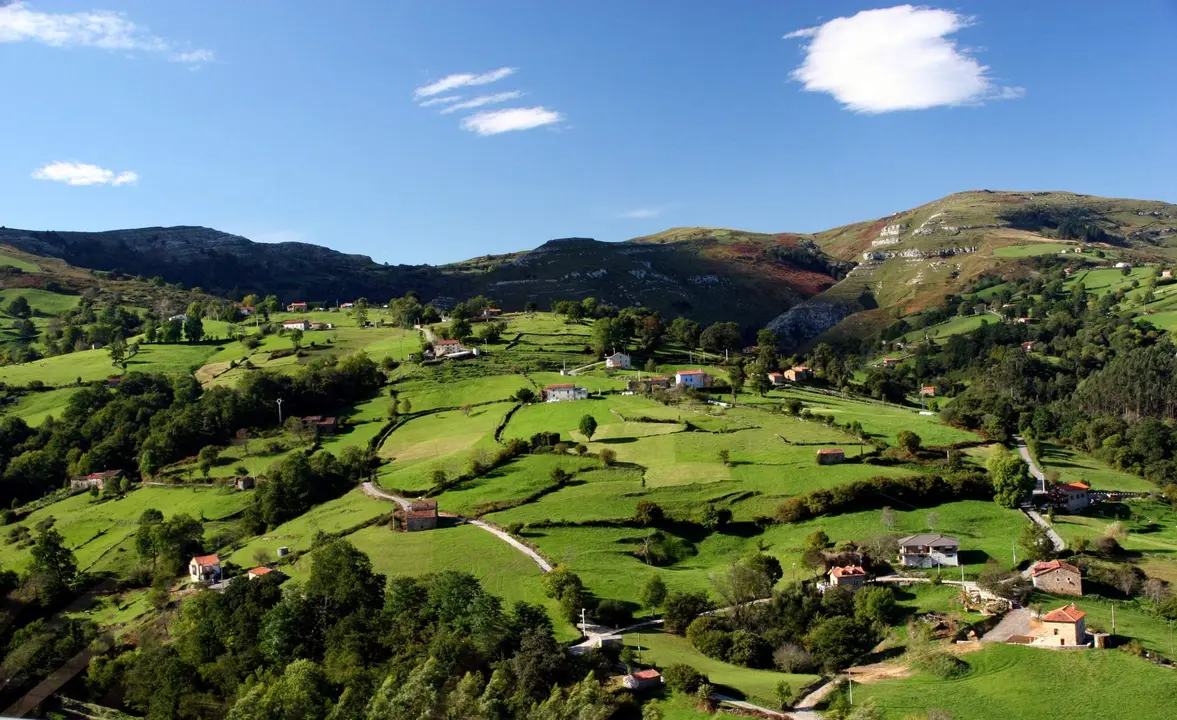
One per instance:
[(749, 649), (683, 679), (614, 613), (607, 456), (681, 608), (710, 635)]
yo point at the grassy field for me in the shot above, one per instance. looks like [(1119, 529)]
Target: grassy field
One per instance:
[(1031, 249), (948, 328), (94, 528), (663, 649), (1105, 280), (89, 365), (42, 302), (1018, 682), (23, 265), (333, 516), (1132, 620), (35, 407), (1150, 526), (1077, 467), (438, 441)]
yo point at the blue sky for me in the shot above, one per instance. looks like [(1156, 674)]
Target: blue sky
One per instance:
[(298, 120)]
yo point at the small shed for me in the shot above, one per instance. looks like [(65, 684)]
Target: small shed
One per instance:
[(1064, 626), (831, 456), (642, 680)]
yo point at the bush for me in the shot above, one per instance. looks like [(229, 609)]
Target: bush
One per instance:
[(614, 613), (681, 608), (683, 679), (607, 456), (942, 665), (877, 492), (749, 649), (710, 635)]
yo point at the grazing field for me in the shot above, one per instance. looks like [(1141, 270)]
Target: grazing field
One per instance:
[(42, 302), (1132, 620), (35, 407), (334, 516), (1007, 681), (1077, 467), (758, 686), (441, 392), (1147, 526), (23, 265), (438, 441), (86, 365), (512, 482), (1031, 249), (1102, 281), (948, 328), (92, 528)]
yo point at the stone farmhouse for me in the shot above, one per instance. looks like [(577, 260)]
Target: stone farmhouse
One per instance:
[(96, 480), (447, 347), (831, 456), (564, 393), (421, 515), (798, 373), (1057, 577), (1064, 627)]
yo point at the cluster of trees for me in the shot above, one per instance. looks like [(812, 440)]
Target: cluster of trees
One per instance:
[(149, 421), (348, 644), (877, 492), (302, 480), (77, 329)]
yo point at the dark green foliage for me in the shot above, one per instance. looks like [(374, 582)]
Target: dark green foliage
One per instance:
[(681, 608), (588, 426), (1011, 480), (913, 490), (683, 679), (53, 569), (653, 593), (837, 642)]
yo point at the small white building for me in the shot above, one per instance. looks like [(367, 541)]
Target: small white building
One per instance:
[(564, 393), (1121, 265), (692, 378), (1072, 496), (447, 347), (617, 360), (205, 568), (300, 324), (346, 306)]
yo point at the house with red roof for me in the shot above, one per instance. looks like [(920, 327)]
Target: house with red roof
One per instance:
[(798, 373), (258, 572), (1063, 627), (776, 378), (564, 392), (296, 307), (96, 480), (928, 391), (1057, 577), (1072, 496), (204, 568), (447, 347), (421, 515), (831, 456), (692, 378), (642, 680), (851, 576)]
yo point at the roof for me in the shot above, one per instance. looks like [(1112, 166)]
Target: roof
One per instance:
[(260, 571), (423, 505), (617, 354), (1065, 614), (650, 674), (660, 378), (926, 388), (104, 475), (690, 372), (300, 302), (800, 368), (847, 571), (299, 321), (206, 560), (831, 451), (930, 539), (417, 514), (564, 386), (775, 374), (1075, 487), (1042, 568), (448, 342)]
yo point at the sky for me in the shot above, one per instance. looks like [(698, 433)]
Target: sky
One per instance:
[(422, 131)]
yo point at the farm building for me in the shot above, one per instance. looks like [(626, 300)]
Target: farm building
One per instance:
[(1064, 627), (1166, 274), (564, 393), (300, 324), (776, 378), (1121, 265), (830, 456), (243, 482), (421, 515), (692, 378), (258, 572), (798, 373), (1057, 577), (643, 680), (1072, 497), (617, 361), (928, 391), (204, 568), (322, 326), (96, 480), (852, 576), (447, 347), (325, 425), (1028, 346), (491, 313), (347, 306), (296, 307), (928, 550), (890, 362)]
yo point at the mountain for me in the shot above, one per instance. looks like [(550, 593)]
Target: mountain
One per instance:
[(849, 280)]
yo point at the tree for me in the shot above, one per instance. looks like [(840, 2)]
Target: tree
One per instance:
[(193, 324), (19, 308), (207, 457), (296, 338), (681, 608), (720, 337), (525, 395), (608, 334), (588, 426), (173, 331), (118, 350), (685, 332), (725, 457), (1011, 482), (53, 569), (888, 517), (653, 593), (360, 312), (302, 691), (607, 456), (837, 642), (648, 513), (933, 520), (1035, 542), (875, 604), (909, 441), (784, 694), (683, 679)]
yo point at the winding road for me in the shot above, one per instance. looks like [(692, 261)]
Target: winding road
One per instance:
[(1036, 472)]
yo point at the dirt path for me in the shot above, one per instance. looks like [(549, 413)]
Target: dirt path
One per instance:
[(1015, 622), (371, 490)]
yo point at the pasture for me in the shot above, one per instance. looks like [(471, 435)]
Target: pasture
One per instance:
[(1073, 466), (35, 407)]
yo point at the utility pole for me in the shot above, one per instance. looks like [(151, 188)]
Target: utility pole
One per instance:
[(1113, 617), (850, 680), (583, 623), (1014, 548), (279, 412)]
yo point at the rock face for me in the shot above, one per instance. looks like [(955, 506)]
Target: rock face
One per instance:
[(808, 320)]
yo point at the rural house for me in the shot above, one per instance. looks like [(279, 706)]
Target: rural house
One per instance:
[(258, 572), (205, 568), (296, 307), (617, 360), (299, 324), (325, 425), (243, 482), (491, 313), (96, 480), (798, 373), (776, 378), (1072, 496), (692, 378), (1057, 577), (928, 550), (564, 393), (421, 515), (1064, 626), (852, 576), (890, 362), (928, 391), (447, 347), (347, 305), (1166, 274), (642, 680), (831, 456)]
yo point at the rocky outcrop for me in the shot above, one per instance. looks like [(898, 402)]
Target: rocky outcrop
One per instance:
[(807, 320)]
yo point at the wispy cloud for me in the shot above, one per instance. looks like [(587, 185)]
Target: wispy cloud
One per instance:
[(482, 100), (102, 29), (897, 58), (453, 82), (643, 213), (74, 173), (494, 122), (441, 100)]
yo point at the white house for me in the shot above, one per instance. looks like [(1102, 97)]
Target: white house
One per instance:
[(447, 347), (1072, 496), (563, 393), (617, 360), (1121, 265), (301, 324), (928, 550), (205, 568), (692, 378), (346, 306)]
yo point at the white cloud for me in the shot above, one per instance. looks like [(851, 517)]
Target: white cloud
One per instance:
[(101, 29), (897, 58), (642, 213), (441, 100), (482, 100), (453, 82), (74, 173), (493, 122)]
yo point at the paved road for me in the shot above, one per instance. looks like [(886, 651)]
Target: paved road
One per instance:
[(743, 705), (371, 490), (1035, 471), (1015, 622), (1055, 538)]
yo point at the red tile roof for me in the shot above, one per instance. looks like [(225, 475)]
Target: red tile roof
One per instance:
[(1074, 486), (775, 374), (206, 560), (650, 674), (1044, 567), (565, 386), (1065, 614), (800, 368), (423, 505), (259, 571), (831, 451), (104, 475), (418, 514), (448, 342), (690, 372), (847, 571)]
